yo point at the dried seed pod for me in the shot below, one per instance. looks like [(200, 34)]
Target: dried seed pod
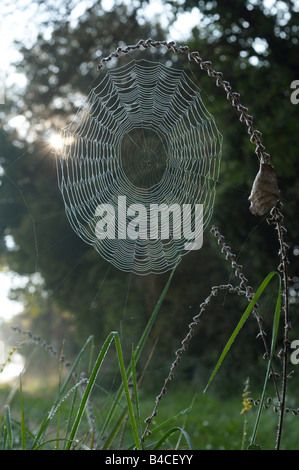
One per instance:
[(265, 192)]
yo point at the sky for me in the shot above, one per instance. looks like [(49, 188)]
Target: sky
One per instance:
[(9, 308), (19, 24)]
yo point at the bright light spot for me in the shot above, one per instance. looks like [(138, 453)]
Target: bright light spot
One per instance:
[(15, 78), (253, 60), (107, 5), (21, 124), (13, 369), (56, 141), (156, 10), (181, 28), (296, 251), (9, 241), (9, 308), (269, 3), (260, 45)]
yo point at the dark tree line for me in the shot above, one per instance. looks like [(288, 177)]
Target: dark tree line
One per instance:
[(81, 293)]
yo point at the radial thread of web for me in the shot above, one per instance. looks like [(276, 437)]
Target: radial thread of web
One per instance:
[(144, 134)]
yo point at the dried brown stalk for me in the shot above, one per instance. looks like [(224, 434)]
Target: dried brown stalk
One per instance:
[(264, 197)]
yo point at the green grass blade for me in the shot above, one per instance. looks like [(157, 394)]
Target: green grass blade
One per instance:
[(79, 445), (136, 395), (240, 325), (89, 388), (47, 418), (9, 433), (27, 432), (161, 426), (137, 355), (75, 365), (23, 428), (70, 415), (115, 428), (127, 391), (273, 345), (169, 433), (166, 423), (185, 412), (152, 318), (62, 399)]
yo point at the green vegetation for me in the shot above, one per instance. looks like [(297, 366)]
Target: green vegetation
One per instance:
[(135, 325), (187, 418), (210, 422), (82, 420)]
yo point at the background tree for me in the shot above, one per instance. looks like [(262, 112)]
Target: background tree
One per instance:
[(60, 69)]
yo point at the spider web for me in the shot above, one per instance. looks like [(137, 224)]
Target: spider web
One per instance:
[(143, 133)]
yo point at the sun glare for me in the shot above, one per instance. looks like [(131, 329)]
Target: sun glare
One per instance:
[(59, 142), (56, 141)]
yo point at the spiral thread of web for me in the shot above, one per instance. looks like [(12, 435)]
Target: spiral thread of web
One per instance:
[(143, 134)]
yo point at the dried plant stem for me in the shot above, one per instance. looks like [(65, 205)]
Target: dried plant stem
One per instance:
[(80, 379), (277, 220), (185, 343), (193, 56), (276, 216), (249, 295), (242, 289)]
